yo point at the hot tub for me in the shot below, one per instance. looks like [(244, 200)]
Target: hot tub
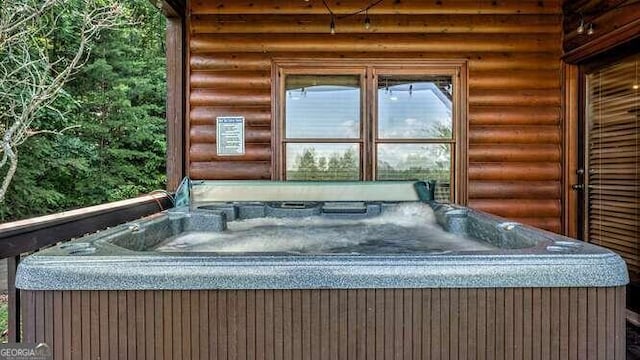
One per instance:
[(324, 270)]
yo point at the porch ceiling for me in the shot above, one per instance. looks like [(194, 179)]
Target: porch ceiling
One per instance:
[(171, 8)]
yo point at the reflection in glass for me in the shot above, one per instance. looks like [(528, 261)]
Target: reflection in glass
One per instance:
[(415, 107), (322, 106), (323, 162), (416, 162)]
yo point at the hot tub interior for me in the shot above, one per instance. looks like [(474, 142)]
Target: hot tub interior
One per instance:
[(378, 229), (304, 222)]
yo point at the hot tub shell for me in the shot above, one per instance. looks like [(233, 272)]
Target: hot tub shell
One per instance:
[(107, 296)]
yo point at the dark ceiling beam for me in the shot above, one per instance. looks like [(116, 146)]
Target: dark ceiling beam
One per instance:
[(171, 8)]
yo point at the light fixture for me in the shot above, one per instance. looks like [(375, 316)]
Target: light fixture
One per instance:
[(580, 28), (367, 20), (590, 30), (635, 86), (364, 10)]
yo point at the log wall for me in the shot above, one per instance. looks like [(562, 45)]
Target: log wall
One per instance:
[(512, 47), (500, 324)]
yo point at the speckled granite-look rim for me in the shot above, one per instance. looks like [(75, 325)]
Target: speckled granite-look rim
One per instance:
[(122, 258)]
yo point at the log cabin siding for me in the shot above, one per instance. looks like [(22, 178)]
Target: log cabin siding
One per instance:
[(514, 90)]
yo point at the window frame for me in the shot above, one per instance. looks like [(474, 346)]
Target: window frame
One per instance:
[(370, 70)]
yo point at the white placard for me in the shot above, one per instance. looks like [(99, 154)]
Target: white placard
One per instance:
[(230, 135)]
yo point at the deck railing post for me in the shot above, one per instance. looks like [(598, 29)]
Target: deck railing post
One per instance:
[(14, 299)]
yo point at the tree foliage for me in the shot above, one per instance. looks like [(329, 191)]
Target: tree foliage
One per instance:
[(113, 108), (340, 166), (33, 72)]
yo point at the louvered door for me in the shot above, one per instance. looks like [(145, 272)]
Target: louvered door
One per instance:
[(612, 149)]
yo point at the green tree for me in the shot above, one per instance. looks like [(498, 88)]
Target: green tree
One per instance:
[(33, 72), (340, 166), (117, 103)]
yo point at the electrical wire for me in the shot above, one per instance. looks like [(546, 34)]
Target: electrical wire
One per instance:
[(363, 10)]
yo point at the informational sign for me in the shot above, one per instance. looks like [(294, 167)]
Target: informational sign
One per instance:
[(230, 135)]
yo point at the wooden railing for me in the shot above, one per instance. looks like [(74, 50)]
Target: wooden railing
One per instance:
[(27, 236)]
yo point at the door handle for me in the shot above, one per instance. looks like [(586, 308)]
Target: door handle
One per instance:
[(577, 187)]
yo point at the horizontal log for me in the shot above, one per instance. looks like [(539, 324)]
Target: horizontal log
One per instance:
[(514, 153), (518, 208), (230, 62), (552, 224), (512, 115), (512, 61), (511, 79), (374, 42), (514, 190), (253, 116), (514, 135), (207, 134), (230, 170), (410, 7), (499, 97), (257, 80), (208, 152), (514, 171), (209, 97), (478, 61), (388, 23)]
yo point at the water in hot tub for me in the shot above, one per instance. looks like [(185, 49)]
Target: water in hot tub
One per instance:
[(405, 228)]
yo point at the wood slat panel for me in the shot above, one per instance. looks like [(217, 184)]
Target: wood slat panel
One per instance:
[(520, 323)]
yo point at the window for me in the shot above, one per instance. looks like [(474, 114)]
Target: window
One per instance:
[(383, 120)]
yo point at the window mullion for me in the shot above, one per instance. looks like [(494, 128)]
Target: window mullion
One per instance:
[(369, 125)]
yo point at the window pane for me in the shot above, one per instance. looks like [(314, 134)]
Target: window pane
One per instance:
[(416, 162), (323, 162), (415, 107), (322, 106)]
